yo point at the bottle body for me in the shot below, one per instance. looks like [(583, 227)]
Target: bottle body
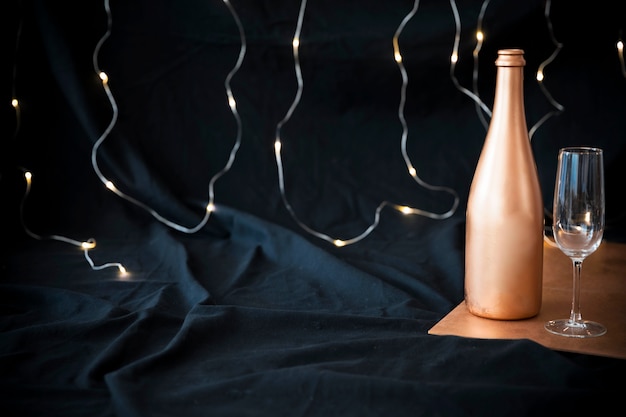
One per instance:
[(505, 217)]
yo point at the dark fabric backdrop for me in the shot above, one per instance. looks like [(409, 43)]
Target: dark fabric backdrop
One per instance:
[(252, 315)]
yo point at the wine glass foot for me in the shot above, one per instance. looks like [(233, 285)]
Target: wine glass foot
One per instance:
[(570, 328)]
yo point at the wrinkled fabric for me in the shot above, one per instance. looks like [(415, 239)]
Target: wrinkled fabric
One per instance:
[(252, 315)]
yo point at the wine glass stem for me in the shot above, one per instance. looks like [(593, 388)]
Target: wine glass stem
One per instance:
[(575, 315)]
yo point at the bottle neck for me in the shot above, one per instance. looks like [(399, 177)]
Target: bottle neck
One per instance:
[(508, 105)]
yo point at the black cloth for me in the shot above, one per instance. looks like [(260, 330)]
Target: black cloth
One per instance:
[(251, 314)]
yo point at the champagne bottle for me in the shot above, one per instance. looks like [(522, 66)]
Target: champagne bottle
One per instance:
[(505, 217)]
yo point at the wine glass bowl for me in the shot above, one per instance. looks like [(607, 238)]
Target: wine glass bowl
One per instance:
[(578, 239), (578, 226)]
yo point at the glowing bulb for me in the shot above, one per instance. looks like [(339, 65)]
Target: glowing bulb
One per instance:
[(232, 103), (277, 146), (122, 270), (620, 55), (88, 245), (398, 57), (479, 36), (454, 58), (412, 171), (15, 103), (104, 77), (539, 76), (28, 176), (110, 186), (210, 207), (405, 210), (296, 42), (339, 243)]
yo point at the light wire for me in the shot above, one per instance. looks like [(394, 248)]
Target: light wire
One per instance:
[(87, 245), (454, 58), (540, 74), (210, 207), (411, 168)]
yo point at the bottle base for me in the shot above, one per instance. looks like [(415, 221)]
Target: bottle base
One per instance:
[(499, 316)]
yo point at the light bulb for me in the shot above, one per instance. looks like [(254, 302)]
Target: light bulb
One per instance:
[(88, 245)]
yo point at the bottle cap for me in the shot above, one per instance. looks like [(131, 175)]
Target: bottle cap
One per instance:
[(510, 58)]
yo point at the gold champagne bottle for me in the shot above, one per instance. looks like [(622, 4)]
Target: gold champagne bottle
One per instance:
[(504, 218)]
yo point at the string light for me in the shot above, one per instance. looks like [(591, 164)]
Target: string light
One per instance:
[(18, 118), (541, 75), (620, 54), (86, 246), (405, 130), (232, 104), (480, 37), (14, 101), (454, 58), (411, 169)]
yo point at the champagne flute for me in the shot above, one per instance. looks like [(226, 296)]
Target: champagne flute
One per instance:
[(578, 226)]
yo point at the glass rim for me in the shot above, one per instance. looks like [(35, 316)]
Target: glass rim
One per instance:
[(580, 149)]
